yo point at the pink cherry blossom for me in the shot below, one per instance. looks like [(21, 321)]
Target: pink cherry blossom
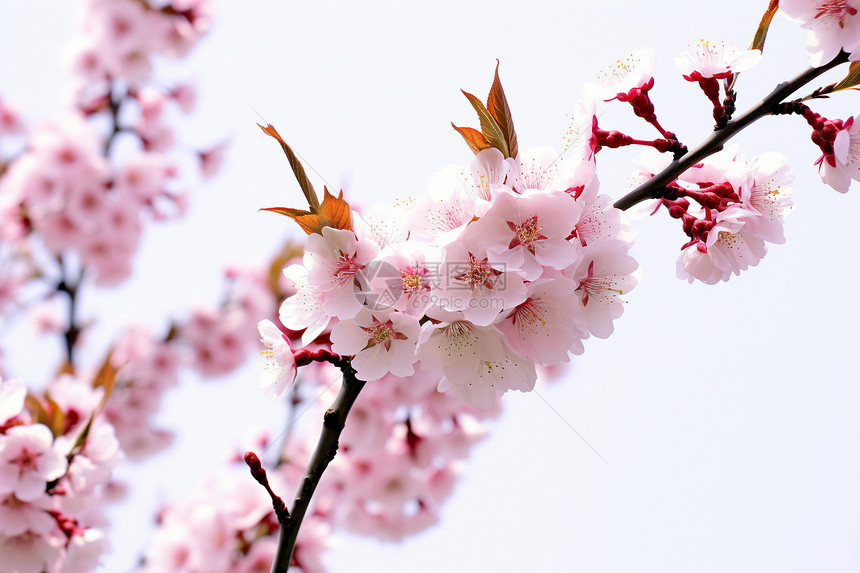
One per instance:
[(716, 60), (604, 273), (381, 342), (539, 330), (12, 394), (10, 120), (543, 169), (477, 363), (28, 461), (333, 260), (838, 168), (731, 247), (833, 26), (769, 192), (29, 552), (303, 310), (404, 277), (529, 231), (475, 286), (580, 137), (632, 73), (218, 340), (489, 172), (84, 551), (280, 370), (18, 517), (446, 209)]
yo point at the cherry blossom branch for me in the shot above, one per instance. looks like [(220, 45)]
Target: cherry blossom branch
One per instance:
[(333, 423), (655, 187)]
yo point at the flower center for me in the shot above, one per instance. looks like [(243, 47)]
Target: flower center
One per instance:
[(345, 269), (381, 333), (834, 10), (597, 286), (526, 234), (530, 313), (478, 274), (26, 461), (413, 280)]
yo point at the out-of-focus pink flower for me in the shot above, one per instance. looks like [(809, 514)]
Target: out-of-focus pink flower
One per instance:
[(28, 461), (211, 160), (12, 394), (10, 120), (30, 552)]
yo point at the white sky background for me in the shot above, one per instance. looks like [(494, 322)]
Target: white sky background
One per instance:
[(728, 414)]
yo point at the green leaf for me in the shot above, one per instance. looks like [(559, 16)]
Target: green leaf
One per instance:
[(497, 105), (298, 170), (474, 138), (851, 80), (489, 126), (761, 31)]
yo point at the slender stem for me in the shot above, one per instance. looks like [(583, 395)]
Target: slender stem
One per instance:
[(333, 423), (114, 104), (72, 330), (653, 188)]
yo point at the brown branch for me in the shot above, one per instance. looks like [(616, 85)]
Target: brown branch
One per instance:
[(333, 423), (654, 187)]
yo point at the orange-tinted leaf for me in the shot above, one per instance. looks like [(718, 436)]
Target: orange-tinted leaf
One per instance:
[(289, 252), (309, 222), (105, 378), (36, 410), (335, 212), (497, 105), (78, 446), (298, 170), (474, 138), (66, 368), (56, 420), (851, 80), (761, 31), (489, 126)]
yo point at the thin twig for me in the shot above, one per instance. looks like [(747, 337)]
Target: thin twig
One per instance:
[(73, 330), (654, 187), (333, 423)]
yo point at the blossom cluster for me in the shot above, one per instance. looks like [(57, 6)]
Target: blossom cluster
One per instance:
[(729, 208), (56, 458), (228, 525), (506, 263)]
